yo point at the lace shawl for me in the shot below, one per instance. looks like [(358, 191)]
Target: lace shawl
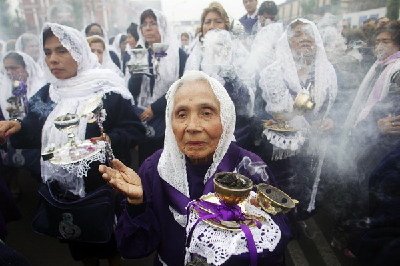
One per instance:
[(70, 95), (34, 82), (172, 164), (168, 67)]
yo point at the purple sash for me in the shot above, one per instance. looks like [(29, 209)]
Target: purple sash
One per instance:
[(224, 212)]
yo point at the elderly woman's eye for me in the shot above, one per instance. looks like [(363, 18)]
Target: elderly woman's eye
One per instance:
[(181, 114)]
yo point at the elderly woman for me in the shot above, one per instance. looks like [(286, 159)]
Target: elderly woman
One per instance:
[(200, 119), (301, 69), (223, 57), (75, 78), (149, 90)]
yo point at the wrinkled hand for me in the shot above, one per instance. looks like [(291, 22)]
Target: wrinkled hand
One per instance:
[(327, 125), (389, 125), (147, 114), (8, 128), (125, 180)]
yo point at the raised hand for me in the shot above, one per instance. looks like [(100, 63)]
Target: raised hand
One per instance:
[(125, 180)]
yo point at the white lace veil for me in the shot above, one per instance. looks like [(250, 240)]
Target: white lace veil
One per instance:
[(70, 96), (35, 81), (116, 48), (107, 63), (169, 65), (172, 164), (283, 71)]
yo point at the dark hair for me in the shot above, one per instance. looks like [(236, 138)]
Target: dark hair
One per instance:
[(268, 7), (16, 57), (146, 14), (132, 30), (123, 38), (185, 34), (88, 27), (46, 34), (393, 28)]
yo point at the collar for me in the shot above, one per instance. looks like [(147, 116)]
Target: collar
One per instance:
[(252, 16)]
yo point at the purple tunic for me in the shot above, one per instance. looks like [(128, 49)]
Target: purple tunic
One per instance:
[(151, 226)]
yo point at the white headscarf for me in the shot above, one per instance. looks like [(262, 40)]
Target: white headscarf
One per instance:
[(172, 163), (107, 61), (70, 95), (116, 48), (169, 65), (23, 39), (34, 82), (283, 71)]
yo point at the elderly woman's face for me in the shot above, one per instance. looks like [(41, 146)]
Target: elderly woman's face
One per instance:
[(212, 21), (58, 59), (301, 40), (196, 121)]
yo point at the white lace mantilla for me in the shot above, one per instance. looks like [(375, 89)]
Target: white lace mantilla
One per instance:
[(70, 176), (218, 245), (285, 145)]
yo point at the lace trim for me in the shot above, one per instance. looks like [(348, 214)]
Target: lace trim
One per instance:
[(218, 245), (70, 176)]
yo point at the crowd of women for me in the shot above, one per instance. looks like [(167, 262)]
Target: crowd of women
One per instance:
[(308, 106)]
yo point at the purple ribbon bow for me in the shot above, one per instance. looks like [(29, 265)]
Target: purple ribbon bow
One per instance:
[(224, 212)]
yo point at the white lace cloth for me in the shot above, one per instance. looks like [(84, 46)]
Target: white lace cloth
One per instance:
[(71, 175), (284, 145), (218, 245)]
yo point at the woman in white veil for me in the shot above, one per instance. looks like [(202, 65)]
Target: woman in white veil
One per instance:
[(22, 78), (100, 48), (149, 89), (301, 68), (75, 79)]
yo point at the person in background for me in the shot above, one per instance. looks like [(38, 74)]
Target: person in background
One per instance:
[(222, 56), (96, 29), (267, 14), (149, 90), (100, 49), (132, 42), (24, 77), (10, 45), (250, 19), (29, 44), (118, 46), (185, 42)]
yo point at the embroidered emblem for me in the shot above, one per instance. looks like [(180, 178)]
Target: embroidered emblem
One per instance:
[(67, 229)]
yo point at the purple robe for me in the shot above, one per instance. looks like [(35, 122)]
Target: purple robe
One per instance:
[(144, 228)]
